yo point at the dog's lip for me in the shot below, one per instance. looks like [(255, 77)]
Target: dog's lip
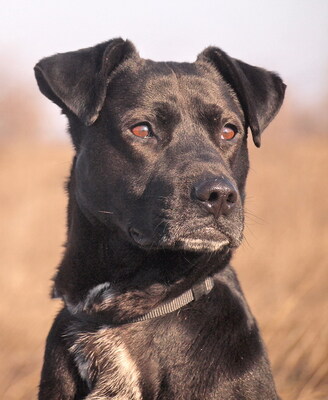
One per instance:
[(205, 233), (203, 245), (195, 243), (139, 238)]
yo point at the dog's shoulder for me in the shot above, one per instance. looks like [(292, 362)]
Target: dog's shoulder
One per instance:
[(60, 376)]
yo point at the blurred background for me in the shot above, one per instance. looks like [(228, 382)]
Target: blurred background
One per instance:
[(282, 263)]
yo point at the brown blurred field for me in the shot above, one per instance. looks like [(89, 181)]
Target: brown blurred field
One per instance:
[(282, 264)]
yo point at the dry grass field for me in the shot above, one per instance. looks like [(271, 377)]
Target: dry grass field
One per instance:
[(282, 264)]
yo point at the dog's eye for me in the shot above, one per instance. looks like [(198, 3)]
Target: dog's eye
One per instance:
[(228, 132), (142, 130)]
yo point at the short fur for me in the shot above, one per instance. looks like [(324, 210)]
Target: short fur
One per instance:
[(139, 233)]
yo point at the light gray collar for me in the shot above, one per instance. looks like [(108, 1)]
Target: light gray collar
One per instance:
[(196, 291)]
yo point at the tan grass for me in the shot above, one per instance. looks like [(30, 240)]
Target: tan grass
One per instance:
[(282, 264)]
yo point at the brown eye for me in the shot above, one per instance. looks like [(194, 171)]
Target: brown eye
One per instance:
[(142, 131), (228, 132)]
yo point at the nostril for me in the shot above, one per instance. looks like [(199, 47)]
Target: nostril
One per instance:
[(231, 198), (213, 197)]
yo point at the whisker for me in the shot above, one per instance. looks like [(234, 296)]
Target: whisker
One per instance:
[(254, 217), (246, 242), (105, 212), (247, 226)]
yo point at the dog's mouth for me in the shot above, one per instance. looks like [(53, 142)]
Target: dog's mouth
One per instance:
[(195, 242)]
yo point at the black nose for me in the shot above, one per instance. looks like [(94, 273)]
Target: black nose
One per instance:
[(217, 195)]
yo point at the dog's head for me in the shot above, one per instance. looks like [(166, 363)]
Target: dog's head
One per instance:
[(161, 146)]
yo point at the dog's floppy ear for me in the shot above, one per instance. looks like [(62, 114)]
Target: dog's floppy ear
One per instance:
[(78, 80), (259, 92)]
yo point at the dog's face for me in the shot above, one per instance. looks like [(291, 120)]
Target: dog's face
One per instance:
[(162, 134), (161, 147)]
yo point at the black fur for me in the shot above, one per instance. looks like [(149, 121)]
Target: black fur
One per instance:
[(139, 234)]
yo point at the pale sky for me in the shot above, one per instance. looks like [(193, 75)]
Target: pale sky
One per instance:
[(287, 36)]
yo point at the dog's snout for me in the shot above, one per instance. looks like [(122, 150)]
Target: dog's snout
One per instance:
[(217, 195)]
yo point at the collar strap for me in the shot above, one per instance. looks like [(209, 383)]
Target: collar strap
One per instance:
[(194, 293)]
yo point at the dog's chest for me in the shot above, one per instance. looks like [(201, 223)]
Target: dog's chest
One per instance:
[(210, 349), (152, 364)]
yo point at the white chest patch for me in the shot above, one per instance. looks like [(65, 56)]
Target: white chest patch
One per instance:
[(105, 364)]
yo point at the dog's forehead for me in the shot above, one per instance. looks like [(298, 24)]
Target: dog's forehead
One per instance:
[(182, 80), (146, 81)]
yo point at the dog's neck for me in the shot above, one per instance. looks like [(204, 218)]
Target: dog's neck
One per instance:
[(139, 280)]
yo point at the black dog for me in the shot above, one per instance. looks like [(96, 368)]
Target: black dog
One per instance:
[(152, 308)]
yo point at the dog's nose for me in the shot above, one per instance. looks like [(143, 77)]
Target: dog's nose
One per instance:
[(217, 195)]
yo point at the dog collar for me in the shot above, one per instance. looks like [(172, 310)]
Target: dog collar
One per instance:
[(194, 293)]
